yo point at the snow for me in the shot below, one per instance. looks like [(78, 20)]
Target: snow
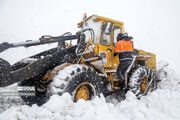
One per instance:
[(93, 25), (59, 81), (164, 103), (152, 22)]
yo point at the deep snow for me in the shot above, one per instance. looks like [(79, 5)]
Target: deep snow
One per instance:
[(164, 103), (148, 21)]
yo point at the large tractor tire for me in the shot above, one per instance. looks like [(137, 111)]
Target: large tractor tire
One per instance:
[(80, 81), (140, 80)]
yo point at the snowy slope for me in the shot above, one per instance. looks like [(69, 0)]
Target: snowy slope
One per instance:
[(164, 103)]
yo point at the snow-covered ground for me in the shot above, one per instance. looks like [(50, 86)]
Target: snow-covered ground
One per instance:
[(164, 103), (155, 26)]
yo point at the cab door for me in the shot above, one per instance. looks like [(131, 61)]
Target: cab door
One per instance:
[(106, 44), (115, 31)]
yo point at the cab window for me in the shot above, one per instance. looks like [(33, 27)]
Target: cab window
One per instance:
[(116, 31), (106, 38)]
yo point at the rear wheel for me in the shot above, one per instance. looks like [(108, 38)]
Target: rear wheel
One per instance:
[(80, 81), (142, 81)]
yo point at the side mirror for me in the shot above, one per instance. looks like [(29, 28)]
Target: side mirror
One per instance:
[(108, 28)]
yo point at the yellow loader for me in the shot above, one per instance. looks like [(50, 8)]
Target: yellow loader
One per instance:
[(84, 69)]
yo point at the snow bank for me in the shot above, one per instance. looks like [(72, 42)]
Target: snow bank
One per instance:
[(164, 103)]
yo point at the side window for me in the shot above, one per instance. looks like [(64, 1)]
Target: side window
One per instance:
[(105, 38), (117, 30)]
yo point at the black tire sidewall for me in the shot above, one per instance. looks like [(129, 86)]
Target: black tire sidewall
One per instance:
[(84, 76), (141, 75)]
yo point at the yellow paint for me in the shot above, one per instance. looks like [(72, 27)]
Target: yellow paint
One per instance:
[(113, 62), (82, 92), (110, 62), (144, 84), (68, 44), (151, 62)]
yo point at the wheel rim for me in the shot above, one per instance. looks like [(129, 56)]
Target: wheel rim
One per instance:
[(144, 84), (84, 91)]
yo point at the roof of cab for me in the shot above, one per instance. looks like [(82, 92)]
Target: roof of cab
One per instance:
[(99, 18)]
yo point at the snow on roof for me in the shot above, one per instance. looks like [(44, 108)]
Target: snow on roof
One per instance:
[(99, 18)]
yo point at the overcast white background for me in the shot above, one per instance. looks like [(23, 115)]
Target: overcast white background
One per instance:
[(154, 24)]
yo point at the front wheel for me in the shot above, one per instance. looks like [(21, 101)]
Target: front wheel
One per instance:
[(142, 81), (80, 81)]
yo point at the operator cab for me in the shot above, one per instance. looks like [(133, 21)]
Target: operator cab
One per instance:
[(104, 35)]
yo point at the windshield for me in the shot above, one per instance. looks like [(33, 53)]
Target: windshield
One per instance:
[(93, 25)]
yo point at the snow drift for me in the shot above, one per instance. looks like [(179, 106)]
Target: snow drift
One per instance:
[(164, 103)]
